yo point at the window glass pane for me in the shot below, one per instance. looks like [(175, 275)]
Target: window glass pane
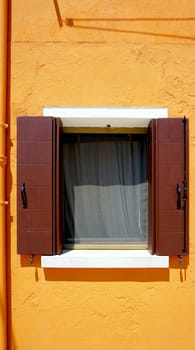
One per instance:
[(105, 189)]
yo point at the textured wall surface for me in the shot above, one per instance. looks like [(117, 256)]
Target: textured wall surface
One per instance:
[(101, 53)]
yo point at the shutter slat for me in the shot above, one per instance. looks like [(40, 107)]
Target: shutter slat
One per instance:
[(36, 168), (168, 229), (35, 174)]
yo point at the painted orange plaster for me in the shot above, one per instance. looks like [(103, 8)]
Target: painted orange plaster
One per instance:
[(130, 53)]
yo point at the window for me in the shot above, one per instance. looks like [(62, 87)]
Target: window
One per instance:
[(39, 187)]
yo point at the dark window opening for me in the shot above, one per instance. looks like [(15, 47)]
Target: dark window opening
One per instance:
[(105, 189)]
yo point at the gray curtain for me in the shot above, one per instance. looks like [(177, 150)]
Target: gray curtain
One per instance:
[(105, 189)]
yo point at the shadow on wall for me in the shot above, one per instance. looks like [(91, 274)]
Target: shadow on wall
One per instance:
[(77, 23), (108, 274), (118, 275), (96, 275)]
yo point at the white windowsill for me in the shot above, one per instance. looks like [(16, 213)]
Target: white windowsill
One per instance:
[(105, 259)]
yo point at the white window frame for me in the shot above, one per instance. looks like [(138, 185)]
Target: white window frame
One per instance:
[(105, 117)]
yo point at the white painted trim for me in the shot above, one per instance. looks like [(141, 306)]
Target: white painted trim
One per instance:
[(101, 117), (105, 259)]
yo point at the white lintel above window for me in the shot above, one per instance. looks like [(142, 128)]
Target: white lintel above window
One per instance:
[(101, 117)]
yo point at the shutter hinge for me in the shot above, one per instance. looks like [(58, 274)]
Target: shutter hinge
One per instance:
[(31, 260), (3, 160), (3, 125), (4, 202), (180, 257)]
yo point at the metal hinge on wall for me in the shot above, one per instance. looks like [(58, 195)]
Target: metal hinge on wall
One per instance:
[(3, 160), (3, 125)]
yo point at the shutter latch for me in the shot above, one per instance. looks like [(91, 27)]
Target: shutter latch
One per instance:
[(178, 189), (24, 196)]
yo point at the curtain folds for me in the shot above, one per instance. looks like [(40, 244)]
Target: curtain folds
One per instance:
[(105, 189)]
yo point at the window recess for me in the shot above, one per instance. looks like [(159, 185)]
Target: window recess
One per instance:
[(105, 197), (39, 221)]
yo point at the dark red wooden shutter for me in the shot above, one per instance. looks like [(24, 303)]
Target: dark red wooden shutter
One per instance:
[(38, 207), (168, 187)]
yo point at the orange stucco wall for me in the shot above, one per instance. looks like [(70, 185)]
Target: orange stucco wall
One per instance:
[(120, 53)]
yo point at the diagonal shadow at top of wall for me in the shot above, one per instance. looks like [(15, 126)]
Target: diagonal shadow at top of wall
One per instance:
[(91, 24)]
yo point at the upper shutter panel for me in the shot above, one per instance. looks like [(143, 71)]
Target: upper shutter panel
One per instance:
[(37, 183), (168, 185)]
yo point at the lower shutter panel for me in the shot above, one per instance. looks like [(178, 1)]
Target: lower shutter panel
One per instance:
[(38, 229), (168, 183)]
